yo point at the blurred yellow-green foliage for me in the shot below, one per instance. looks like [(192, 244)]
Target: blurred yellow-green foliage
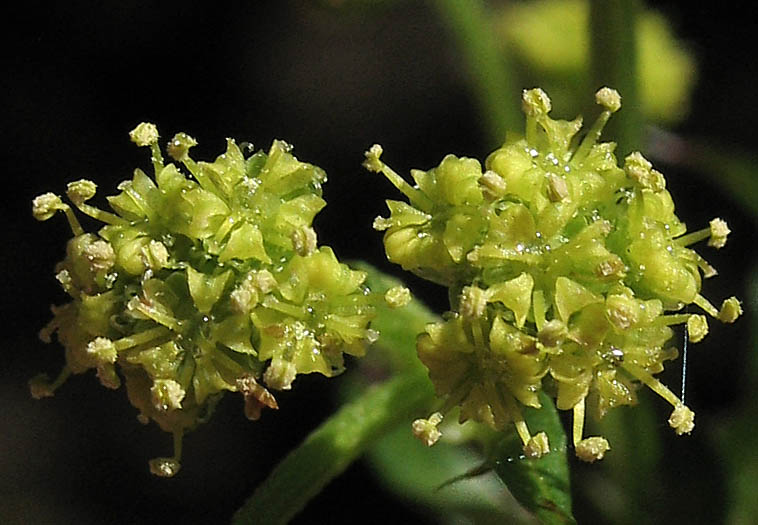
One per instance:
[(550, 39)]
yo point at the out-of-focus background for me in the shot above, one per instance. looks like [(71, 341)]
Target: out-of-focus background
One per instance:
[(332, 78)]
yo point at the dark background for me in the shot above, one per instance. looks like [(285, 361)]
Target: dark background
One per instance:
[(77, 76)]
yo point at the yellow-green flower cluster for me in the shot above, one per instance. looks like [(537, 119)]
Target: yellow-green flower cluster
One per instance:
[(564, 270), (197, 285)]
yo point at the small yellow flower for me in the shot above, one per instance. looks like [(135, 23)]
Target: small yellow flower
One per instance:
[(568, 270), (202, 282)]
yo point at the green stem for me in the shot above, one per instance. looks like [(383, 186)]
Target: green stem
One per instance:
[(613, 52), (487, 64), (330, 449)]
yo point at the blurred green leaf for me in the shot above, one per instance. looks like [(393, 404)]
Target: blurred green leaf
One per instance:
[(423, 476), (330, 449), (733, 171), (613, 52), (736, 440), (541, 485), (549, 43), (627, 476), (488, 68)]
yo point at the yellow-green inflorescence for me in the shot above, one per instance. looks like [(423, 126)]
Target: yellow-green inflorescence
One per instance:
[(202, 284), (566, 273)]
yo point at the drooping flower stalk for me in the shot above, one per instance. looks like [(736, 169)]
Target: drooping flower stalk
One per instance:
[(562, 268)]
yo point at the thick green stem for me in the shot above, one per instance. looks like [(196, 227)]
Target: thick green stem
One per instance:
[(487, 65), (613, 51), (329, 450)]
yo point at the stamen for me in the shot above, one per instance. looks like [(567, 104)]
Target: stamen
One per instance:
[(515, 415), (591, 138), (415, 196), (719, 232), (73, 222), (610, 100), (708, 270), (693, 237), (80, 192), (141, 338), (652, 383), (156, 157), (535, 104), (706, 305), (168, 467), (146, 134), (578, 428), (731, 309), (476, 331), (40, 387), (672, 319), (101, 215)]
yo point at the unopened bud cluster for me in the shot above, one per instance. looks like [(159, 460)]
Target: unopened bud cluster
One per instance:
[(566, 272), (201, 284)]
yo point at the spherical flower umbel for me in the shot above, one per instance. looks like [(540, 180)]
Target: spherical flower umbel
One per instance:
[(565, 269), (197, 285)]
